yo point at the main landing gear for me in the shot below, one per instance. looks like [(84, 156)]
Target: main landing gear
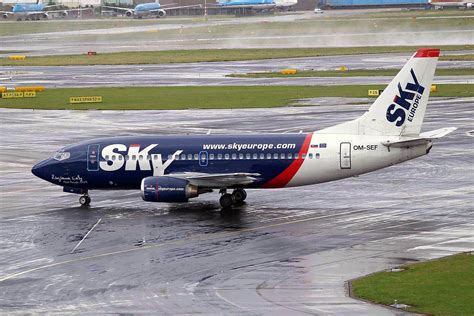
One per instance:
[(237, 197), (85, 200)]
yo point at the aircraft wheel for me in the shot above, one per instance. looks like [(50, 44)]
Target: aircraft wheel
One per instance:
[(226, 200), (85, 200), (239, 195), (18, 19)]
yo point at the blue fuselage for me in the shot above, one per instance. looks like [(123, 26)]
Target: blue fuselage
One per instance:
[(27, 7), (122, 162), (144, 7), (246, 2)]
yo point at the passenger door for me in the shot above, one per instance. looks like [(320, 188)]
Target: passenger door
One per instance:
[(93, 157)]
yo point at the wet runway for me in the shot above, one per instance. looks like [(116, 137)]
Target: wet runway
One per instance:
[(287, 251), (216, 73)]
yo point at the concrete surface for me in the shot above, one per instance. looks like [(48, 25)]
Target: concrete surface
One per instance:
[(285, 252)]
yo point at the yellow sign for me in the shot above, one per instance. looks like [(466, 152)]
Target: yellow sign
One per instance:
[(343, 68), (93, 99), (17, 57), (373, 93), (3, 89), (30, 88), (29, 94), (12, 95), (434, 88), (288, 71)]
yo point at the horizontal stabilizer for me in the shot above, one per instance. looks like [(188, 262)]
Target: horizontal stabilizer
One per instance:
[(438, 133), (422, 140)]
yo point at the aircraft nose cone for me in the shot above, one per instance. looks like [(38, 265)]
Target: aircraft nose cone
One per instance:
[(39, 169)]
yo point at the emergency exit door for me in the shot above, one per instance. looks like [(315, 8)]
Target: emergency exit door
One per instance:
[(345, 155)]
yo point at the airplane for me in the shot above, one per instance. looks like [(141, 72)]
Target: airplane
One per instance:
[(440, 4), (258, 4), (149, 9), (34, 11), (175, 169)]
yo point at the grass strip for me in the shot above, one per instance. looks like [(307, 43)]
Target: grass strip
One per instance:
[(205, 97), (208, 55), (438, 287), (353, 73)]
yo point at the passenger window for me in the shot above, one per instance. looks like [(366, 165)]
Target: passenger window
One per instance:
[(255, 156), (247, 156), (106, 157), (226, 156), (140, 157), (113, 157), (269, 156), (126, 157), (275, 156), (219, 156), (282, 156), (303, 156), (241, 156), (262, 156), (310, 156), (289, 156), (183, 157), (148, 157), (170, 157), (120, 157), (196, 156), (234, 156), (190, 156), (317, 156), (297, 156), (211, 156)]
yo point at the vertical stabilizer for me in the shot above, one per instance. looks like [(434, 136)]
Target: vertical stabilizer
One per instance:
[(400, 109)]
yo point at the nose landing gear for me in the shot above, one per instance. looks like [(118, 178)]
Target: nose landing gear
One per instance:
[(85, 200)]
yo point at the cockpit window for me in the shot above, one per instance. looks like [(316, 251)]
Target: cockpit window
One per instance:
[(61, 155)]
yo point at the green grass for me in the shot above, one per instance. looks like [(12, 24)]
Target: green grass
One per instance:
[(353, 73), (46, 26), (466, 57), (439, 287), (206, 55), (173, 98)]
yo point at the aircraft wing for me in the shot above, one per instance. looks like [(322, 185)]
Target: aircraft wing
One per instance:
[(423, 139), (180, 7), (117, 8), (6, 12), (217, 180)]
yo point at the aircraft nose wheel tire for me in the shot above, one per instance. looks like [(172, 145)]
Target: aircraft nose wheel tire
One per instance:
[(85, 200), (239, 195), (226, 200)]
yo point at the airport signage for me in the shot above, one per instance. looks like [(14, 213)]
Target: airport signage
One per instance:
[(90, 99), (17, 95)]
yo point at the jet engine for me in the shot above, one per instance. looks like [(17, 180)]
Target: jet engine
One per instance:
[(167, 189), (161, 13), (129, 13), (5, 16), (45, 15)]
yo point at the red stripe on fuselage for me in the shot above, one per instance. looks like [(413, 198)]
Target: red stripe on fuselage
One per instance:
[(283, 178)]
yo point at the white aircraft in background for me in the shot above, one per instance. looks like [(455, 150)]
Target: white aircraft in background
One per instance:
[(149, 9)]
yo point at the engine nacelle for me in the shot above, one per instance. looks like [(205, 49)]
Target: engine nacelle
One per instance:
[(45, 15), (129, 13), (167, 189), (161, 13), (5, 16), (64, 14)]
